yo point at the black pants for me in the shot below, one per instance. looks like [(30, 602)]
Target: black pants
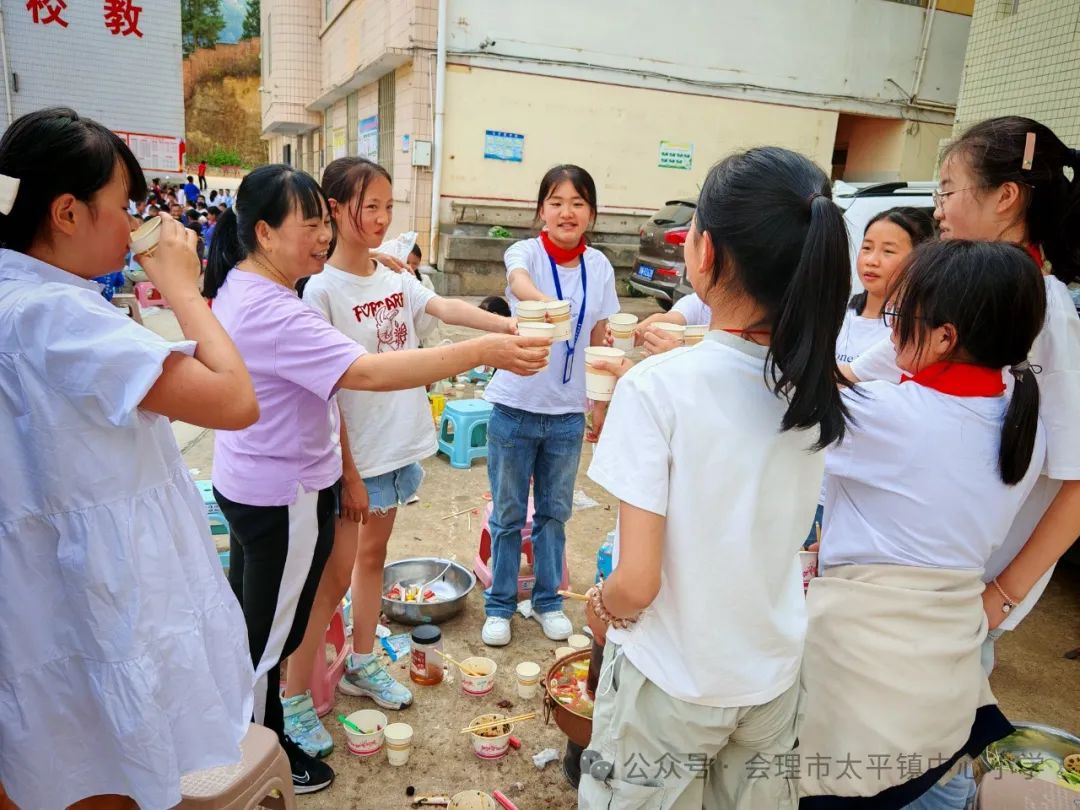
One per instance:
[(202, 182), (276, 557)]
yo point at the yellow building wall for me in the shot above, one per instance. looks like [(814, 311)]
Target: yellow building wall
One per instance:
[(614, 132), (887, 149)]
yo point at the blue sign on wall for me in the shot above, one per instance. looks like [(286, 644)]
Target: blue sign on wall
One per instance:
[(503, 146)]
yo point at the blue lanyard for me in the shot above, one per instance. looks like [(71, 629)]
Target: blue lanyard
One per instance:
[(568, 364)]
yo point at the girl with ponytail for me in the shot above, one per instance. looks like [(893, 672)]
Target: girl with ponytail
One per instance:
[(918, 495), (713, 453)]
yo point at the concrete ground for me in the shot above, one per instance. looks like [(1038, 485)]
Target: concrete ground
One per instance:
[(1032, 681)]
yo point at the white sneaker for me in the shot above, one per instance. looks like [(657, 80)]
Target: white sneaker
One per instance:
[(556, 626), (496, 631)]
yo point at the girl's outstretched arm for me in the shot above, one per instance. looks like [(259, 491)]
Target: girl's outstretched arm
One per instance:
[(461, 313)]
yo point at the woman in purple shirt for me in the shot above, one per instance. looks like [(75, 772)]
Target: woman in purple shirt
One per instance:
[(278, 481)]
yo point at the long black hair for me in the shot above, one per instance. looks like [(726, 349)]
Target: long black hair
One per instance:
[(270, 194), (916, 223), (56, 151), (993, 294), (994, 150), (781, 240)]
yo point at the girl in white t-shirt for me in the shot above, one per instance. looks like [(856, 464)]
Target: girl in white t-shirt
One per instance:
[(386, 434), (919, 494), (538, 423), (1007, 179), (714, 454)]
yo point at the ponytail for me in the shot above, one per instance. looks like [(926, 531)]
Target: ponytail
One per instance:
[(1020, 426), (269, 194), (225, 253), (803, 345), (781, 241)]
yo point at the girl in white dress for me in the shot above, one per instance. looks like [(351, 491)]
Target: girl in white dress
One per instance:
[(123, 655)]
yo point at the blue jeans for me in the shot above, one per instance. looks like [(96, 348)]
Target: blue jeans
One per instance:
[(394, 488), (524, 445)]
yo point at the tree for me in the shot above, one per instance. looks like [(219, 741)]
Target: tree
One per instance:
[(252, 22), (201, 24)]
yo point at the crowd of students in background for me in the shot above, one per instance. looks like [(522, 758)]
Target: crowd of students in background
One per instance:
[(197, 209)]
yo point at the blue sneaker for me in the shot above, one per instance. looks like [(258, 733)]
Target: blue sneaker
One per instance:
[(303, 726), (365, 676)]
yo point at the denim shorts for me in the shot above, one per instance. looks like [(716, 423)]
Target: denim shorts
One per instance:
[(394, 488)]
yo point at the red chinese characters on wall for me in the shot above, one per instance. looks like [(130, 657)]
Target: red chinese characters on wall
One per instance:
[(121, 16)]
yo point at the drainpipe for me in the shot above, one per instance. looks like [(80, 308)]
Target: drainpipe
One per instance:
[(7, 69), (437, 141), (928, 27)]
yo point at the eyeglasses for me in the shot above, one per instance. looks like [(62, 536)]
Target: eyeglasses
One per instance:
[(891, 317), (940, 196)]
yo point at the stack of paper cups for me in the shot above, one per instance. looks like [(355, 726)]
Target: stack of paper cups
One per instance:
[(579, 642), (622, 330), (600, 384), (675, 331), (537, 329), (528, 679), (695, 334), (531, 312), (558, 313), (398, 738)]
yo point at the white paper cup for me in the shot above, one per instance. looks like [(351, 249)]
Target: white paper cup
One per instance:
[(599, 385), (398, 738), (558, 313), (531, 311), (146, 236), (622, 325), (471, 800), (490, 747), (674, 330), (694, 334), (478, 685), (530, 329), (371, 722), (563, 652), (578, 642), (808, 562), (528, 679)]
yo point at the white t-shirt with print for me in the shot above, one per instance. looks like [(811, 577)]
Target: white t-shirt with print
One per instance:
[(693, 309), (857, 335), (694, 435), (1056, 351), (915, 480), (545, 392), (387, 429)]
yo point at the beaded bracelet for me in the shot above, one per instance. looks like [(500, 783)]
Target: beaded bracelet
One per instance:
[(596, 599)]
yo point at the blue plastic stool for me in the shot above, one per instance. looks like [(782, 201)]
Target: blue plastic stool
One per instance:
[(218, 523), (463, 431)]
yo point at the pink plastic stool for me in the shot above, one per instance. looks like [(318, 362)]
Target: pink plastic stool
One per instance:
[(324, 678), (148, 295), (526, 582)]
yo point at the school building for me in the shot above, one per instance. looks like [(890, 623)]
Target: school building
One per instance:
[(1023, 58), (645, 96), (116, 61)]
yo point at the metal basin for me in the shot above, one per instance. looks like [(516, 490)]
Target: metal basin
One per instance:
[(1034, 742), (416, 571)]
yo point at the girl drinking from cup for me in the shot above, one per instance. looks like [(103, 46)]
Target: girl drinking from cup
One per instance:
[(387, 434), (279, 482), (1008, 179), (123, 663), (538, 423), (920, 494), (704, 612)]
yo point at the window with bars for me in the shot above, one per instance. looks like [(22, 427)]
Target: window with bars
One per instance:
[(386, 122)]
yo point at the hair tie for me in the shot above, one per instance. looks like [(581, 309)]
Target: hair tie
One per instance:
[(814, 196), (9, 190), (1024, 365)]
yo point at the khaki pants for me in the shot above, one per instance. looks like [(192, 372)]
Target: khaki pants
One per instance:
[(667, 754)]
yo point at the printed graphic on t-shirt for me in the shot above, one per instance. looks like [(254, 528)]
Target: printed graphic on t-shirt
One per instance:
[(392, 331)]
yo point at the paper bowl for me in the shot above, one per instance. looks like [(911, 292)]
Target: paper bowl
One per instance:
[(478, 685), (146, 236), (490, 747), (471, 800), (373, 723)]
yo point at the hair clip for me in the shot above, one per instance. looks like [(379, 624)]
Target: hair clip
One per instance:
[(9, 190), (1029, 152)]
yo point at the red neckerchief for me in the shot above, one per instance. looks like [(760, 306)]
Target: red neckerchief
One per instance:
[(1035, 252), (959, 379), (561, 255)]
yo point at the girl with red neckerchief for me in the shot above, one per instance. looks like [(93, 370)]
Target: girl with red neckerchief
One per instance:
[(920, 493), (538, 423)]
